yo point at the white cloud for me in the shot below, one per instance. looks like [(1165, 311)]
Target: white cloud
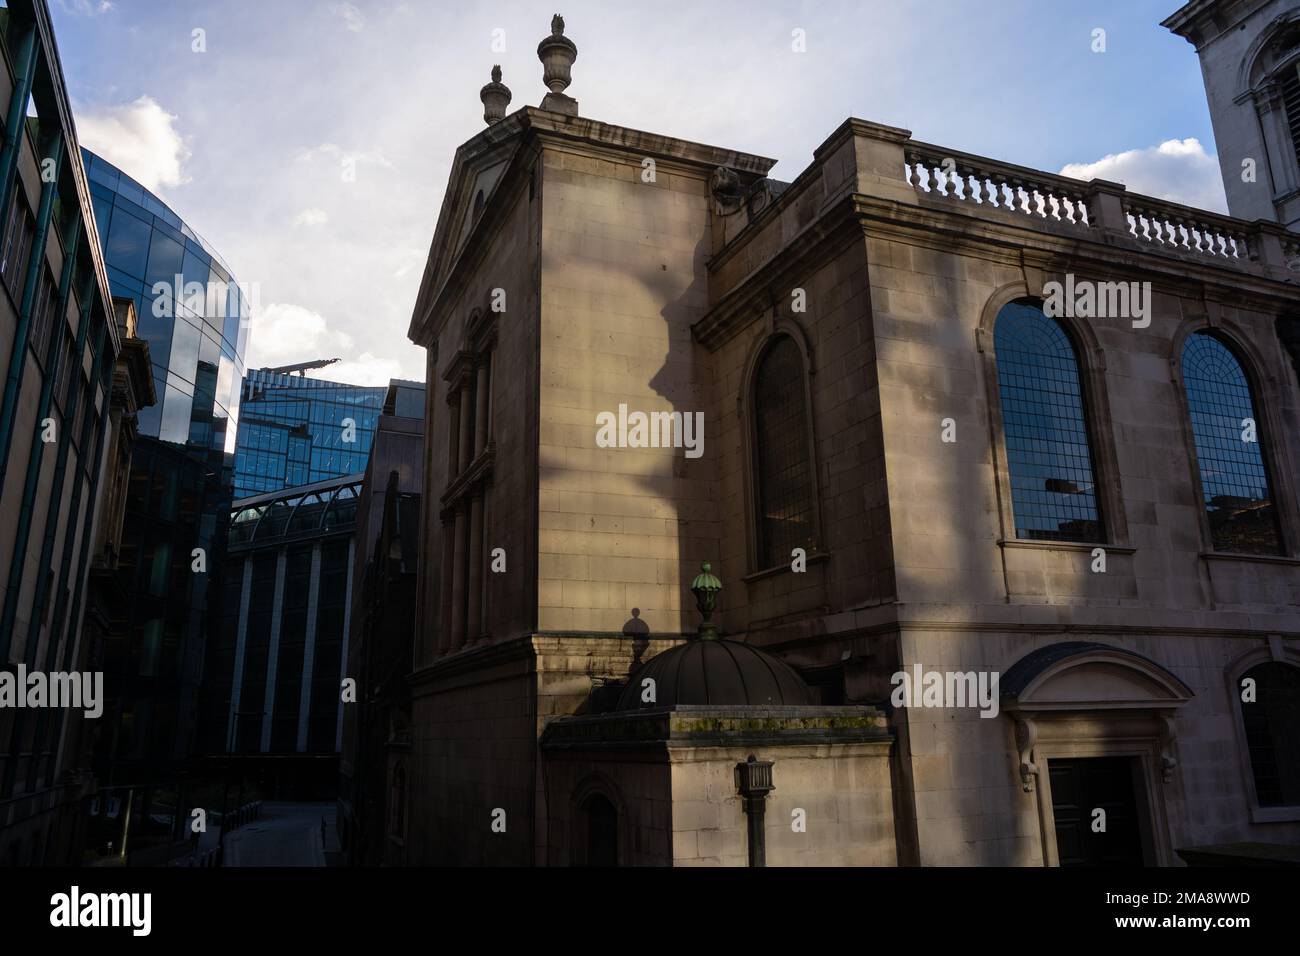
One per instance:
[(286, 334), (140, 138), (365, 369), (87, 8), (351, 16), (372, 157), (1179, 170), (312, 217)]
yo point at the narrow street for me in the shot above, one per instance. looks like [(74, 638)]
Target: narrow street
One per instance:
[(286, 834)]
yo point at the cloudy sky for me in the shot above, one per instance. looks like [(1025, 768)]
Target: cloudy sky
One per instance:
[(246, 139)]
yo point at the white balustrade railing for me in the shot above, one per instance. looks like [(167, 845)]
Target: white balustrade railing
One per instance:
[(996, 185)]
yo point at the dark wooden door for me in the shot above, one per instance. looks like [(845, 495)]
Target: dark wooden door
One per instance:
[(1081, 786)]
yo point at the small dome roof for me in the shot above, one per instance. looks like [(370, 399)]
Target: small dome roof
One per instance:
[(717, 672)]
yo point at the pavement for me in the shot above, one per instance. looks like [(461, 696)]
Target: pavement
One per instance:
[(285, 834)]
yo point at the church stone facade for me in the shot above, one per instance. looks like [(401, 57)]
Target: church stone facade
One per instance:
[(907, 468)]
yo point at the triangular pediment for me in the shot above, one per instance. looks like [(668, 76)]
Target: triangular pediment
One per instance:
[(476, 172)]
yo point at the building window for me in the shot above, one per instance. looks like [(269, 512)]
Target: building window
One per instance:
[(1234, 481), (1270, 721), (1053, 483), (1290, 83), (17, 245), (782, 456)]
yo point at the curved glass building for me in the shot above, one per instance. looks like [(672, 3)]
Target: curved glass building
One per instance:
[(195, 318), (191, 310)]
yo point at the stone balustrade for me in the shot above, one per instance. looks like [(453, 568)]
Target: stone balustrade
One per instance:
[(974, 179), (1184, 229), (1102, 210)]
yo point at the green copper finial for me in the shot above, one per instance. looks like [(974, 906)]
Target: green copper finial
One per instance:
[(705, 587)]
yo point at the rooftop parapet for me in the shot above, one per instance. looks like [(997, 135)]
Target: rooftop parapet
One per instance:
[(1100, 211)]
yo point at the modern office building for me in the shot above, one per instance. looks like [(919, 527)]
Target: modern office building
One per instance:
[(296, 430), (376, 730), (71, 381), (272, 683), (195, 317), (904, 464), (192, 312)]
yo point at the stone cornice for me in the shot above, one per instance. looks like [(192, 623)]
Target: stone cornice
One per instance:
[(1201, 20), (754, 294), (828, 633), (469, 481), (457, 375), (854, 127), (534, 128), (940, 225), (685, 726), (645, 145), (133, 360)]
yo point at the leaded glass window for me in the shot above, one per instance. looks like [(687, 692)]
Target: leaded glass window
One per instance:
[(783, 456), (1234, 481), (1053, 483)]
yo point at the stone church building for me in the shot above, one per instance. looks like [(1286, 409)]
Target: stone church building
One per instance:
[(995, 472)]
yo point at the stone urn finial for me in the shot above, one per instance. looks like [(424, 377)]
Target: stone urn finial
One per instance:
[(495, 97), (557, 53), (705, 587)]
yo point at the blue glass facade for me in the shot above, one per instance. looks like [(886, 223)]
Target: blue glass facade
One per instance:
[(296, 430), (196, 325)]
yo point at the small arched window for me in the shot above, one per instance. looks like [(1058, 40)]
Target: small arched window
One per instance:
[(1271, 720), (784, 496), (1234, 480), (1049, 455)]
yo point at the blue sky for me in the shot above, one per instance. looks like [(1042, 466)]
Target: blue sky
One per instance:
[(245, 140)]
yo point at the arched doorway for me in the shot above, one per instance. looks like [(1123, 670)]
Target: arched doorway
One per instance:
[(1095, 732), (599, 831)]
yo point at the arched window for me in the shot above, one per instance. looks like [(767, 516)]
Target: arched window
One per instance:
[(1234, 480), (602, 831), (1271, 720), (782, 456), (1053, 484)]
